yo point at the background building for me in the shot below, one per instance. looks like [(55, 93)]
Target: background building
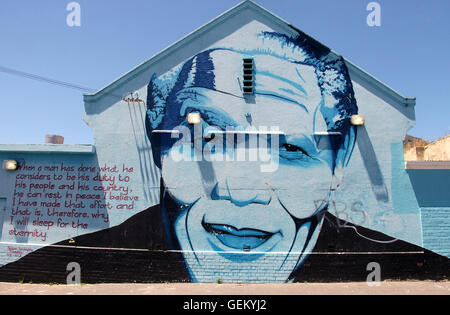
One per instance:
[(417, 149)]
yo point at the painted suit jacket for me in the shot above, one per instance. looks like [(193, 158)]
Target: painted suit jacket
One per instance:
[(134, 251)]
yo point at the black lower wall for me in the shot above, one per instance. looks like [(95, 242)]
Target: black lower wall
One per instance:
[(48, 265)]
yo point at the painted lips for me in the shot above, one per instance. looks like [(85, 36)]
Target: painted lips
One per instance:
[(243, 239)]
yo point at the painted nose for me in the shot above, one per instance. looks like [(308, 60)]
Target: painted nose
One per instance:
[(241, 197)]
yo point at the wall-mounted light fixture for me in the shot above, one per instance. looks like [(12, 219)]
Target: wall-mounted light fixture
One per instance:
[(357, 120), (10, 165), (194, 118)]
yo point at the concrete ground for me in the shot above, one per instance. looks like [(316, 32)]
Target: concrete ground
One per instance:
[(384, 288)]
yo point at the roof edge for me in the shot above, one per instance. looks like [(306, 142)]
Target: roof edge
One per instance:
[(380, 86), (48, 148), (353, 69), (92, 97), (427, 165)]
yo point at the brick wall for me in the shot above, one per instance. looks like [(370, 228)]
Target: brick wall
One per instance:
[(436, 227)]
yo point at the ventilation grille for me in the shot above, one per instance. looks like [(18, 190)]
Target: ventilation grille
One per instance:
[(248, 67)]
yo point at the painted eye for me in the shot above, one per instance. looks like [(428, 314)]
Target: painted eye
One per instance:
[(293, 152)]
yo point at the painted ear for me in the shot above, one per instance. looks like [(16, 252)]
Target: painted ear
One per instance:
[(337, 178), (151, 119), (343, 157), (345, 151)]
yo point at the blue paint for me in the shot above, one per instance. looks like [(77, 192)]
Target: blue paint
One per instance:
[(271, 93), (435, 226), (299, 87), (431, 187), (237, 257), (403, 197)]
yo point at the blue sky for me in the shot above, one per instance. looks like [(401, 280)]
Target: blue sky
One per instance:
[(409, 52)]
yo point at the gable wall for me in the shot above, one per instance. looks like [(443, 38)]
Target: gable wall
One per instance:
[(376, 192)]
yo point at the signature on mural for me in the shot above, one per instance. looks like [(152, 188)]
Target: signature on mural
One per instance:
[(132, 98)]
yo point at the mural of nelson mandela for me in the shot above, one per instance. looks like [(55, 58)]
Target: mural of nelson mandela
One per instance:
[(223, 218), (229, 211)]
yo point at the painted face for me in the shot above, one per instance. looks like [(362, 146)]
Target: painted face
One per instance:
[(234, 213)]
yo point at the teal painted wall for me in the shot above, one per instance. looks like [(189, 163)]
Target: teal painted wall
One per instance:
[(436, 227), (432, 190), (431, 187)]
